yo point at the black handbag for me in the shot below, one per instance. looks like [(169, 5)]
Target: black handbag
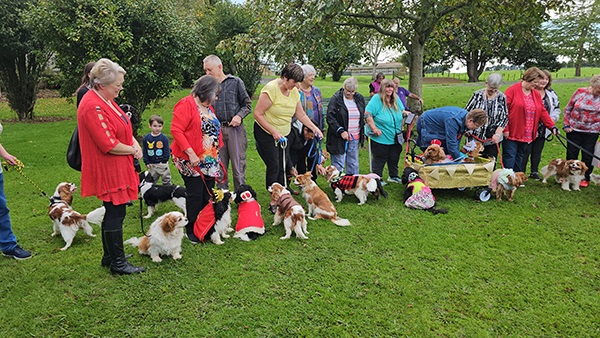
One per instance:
[(74, 151)]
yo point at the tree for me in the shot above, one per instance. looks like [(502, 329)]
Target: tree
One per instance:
[(225, 28), (151, 39), (22, 58), (374, 46), (576, 33), (285, 25), (334, 54), (477, 34)]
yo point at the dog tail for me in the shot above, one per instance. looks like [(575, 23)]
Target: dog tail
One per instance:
[(133, 241), (342, 222), (436, 211), (379, 191), (96, 216), (544, 170)]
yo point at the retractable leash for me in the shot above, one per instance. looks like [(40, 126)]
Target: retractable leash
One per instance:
[(573, 144), (318, 152), (283, 143), (19, 167)]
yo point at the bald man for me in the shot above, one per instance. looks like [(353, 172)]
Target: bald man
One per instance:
[(231, 106)]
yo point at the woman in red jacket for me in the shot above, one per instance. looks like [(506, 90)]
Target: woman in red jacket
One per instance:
[(525, 110), (196, 134), (107, 152)]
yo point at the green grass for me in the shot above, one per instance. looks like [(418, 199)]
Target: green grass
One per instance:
[(494, 269)]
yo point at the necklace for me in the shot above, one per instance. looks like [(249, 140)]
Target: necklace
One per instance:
[(108, 102)]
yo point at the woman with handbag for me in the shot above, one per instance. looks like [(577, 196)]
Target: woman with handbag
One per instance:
[(107, 152), (384, 120)]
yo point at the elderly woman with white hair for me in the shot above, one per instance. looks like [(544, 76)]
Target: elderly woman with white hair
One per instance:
[(311, 98), (345, 126), (493, 102), (582, 124)]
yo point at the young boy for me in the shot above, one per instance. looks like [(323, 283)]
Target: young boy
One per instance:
[(156, 151)]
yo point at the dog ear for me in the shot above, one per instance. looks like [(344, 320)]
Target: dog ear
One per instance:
[(168, 223), (65, 193), (584, 167)]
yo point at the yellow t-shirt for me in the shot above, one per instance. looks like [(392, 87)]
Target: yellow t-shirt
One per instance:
[(279, 115)]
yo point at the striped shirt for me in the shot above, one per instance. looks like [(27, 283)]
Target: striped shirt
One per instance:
[(353, 119)]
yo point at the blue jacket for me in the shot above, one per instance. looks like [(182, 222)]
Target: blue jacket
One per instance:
[(446, 124)]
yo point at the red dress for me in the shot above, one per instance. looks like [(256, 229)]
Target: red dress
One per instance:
[(111, 178)]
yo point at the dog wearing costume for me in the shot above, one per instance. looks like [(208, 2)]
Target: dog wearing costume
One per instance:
[(250, 223), (359, 185), (417, 194)]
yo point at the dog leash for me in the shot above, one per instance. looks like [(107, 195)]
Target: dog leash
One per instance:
[(560, 137), (19, 167), (140, 198), (283, 143), (318, 152), (489, 140)]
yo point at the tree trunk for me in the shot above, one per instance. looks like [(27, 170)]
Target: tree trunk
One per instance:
[(415, 75)]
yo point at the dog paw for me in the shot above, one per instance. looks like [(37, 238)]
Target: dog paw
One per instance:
[(92, 235), (147, 216), (177, 256), (229, 230), (156, 259), (284, 237), (63, 249), (53, 234)]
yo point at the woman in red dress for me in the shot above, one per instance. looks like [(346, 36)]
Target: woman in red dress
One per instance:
[(107, 152)]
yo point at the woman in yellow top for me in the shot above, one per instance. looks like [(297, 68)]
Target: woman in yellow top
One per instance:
[(278, 102)]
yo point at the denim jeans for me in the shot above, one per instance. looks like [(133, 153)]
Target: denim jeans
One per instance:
[(8, 241), (513, 153), (350, 159)]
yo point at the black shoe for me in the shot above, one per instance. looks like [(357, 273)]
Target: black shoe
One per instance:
[(193, 239), (118, 263), (535, 176)]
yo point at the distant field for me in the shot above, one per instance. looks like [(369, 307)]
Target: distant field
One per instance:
[(514, 75)]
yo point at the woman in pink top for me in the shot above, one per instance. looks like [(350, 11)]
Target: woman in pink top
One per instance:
[(525, 110), (582, 124)]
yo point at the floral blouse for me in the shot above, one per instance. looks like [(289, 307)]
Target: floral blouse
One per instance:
[(210, 163)]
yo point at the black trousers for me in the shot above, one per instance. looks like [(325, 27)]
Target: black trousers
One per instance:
[(382, 154), (198, 197), (586, 141), (113, 217), (535, 153), (272, 155)]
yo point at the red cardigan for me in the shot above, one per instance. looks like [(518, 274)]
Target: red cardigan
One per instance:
[(515, 101), (186, 128), (112, 178)]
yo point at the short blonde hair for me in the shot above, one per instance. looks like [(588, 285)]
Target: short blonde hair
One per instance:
[(105, 72), (595, 81), (478, 116)]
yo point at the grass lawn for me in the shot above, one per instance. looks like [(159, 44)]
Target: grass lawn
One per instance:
[(493, 269)]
